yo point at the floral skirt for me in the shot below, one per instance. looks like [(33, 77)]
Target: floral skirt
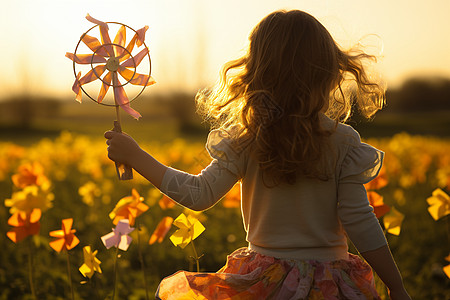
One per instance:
[(250, 275)]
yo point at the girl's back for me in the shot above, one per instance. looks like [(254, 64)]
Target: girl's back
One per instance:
[(303, 220)]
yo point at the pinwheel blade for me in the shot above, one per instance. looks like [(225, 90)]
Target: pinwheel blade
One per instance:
[(76, 87), (94, 44), (105, 86), (141, 35), (86, 59), (136, 78), (93, 74), (120, 40), (133, 62), (121, 98)]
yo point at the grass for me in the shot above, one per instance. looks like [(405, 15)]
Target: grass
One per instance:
[(419, 250)]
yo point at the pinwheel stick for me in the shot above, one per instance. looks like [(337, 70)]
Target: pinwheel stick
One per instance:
[(124, 172)]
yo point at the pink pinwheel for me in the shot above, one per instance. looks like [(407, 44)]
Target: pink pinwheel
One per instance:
[(119, 236), (114, 58)]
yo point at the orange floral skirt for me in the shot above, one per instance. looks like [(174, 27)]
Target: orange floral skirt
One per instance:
[(250, 275)]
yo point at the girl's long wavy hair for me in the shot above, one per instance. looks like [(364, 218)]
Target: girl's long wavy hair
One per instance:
[(293, 70)]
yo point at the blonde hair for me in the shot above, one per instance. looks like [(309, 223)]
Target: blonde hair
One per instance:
[(292, 71)]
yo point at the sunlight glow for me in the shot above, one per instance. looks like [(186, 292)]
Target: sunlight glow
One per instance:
[(189, 40)]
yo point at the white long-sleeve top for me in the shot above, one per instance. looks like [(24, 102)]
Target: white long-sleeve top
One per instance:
[(307, 220)]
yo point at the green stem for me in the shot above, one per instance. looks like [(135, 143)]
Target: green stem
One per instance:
[(141, 259), (30, 269), (69, 275), (94, 286), (115, 272), (195, 256), (448, 227)]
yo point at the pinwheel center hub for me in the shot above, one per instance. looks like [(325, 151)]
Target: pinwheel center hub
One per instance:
[(112, 64)]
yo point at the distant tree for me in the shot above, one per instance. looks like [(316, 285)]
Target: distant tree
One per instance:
[(420, 95), (22, 111)]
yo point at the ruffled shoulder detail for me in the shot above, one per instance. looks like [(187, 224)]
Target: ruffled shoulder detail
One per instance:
[(221, 146), (362, 162)]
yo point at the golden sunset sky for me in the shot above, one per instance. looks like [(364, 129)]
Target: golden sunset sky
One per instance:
[(189, 40)]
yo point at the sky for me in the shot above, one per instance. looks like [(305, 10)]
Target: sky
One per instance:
[(189, 40)]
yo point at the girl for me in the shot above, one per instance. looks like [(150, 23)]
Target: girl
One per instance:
[(278, 114)]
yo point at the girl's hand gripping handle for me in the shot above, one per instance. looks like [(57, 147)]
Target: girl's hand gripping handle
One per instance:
[(123, 171)]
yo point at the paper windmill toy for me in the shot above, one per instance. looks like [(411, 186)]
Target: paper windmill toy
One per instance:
[(112, 64), (119, 237), (189, 229), (65, 237), (91, 262)]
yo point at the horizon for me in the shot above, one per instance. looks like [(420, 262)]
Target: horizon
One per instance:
[(189, 44)]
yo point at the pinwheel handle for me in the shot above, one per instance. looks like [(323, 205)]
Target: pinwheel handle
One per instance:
[(123, 171)]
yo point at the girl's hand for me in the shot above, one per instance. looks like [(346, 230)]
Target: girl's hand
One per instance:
[(121, 147)]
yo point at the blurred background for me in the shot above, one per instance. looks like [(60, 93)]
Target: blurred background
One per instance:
[(189, 41)]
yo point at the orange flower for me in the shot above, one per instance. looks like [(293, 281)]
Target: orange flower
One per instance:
[(161, 230), (165, 202), (29, 174), (28, 198), (233, 197), (25, 223), (378, 182), (447, 267), (129, 207), (376, 201), (66, 238)]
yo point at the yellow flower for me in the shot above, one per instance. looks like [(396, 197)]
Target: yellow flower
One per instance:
[(29, 198), (393, 221), (439, 204), (89, 191), (91, 263), (129, 207), (190, 229)]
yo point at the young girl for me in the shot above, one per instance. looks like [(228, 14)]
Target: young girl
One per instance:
[(278, 114)]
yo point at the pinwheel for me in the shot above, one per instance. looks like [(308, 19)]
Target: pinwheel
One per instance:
[(129, 207), (376, 201), (447, 267), (29, 174), (161, 230), (393, 221), (25, 224), (91, 262), (108, 64), (66, 238), (189, 229), (439, 204), (119, 236)]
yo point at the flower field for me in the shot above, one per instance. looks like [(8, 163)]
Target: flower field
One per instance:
[(72, 230)]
